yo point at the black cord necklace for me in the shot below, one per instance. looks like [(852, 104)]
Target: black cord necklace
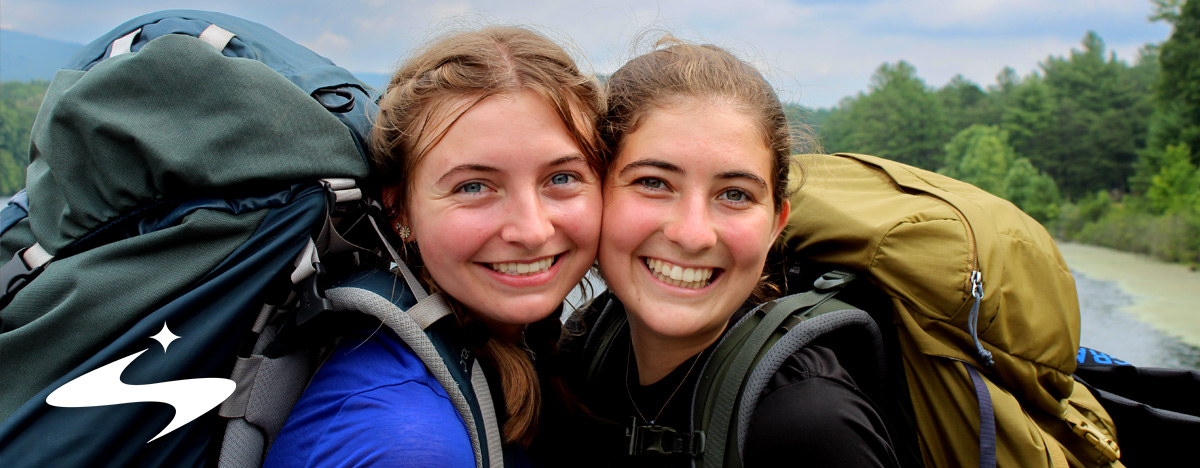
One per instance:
[(628, 360)]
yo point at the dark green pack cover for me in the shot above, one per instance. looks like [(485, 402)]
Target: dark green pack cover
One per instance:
[(175, 185)]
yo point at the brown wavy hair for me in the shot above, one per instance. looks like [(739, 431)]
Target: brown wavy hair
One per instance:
[(430, 91)]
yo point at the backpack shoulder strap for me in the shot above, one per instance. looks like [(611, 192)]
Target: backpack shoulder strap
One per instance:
[(752, 352), (488, 449)]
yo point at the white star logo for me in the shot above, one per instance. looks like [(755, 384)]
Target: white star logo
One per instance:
[(191, 398), (165, 337)]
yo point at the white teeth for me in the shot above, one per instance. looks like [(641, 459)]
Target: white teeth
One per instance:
[(691, 278), (524, 269)]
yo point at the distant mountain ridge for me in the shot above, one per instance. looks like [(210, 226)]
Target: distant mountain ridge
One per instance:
[(25, 57)]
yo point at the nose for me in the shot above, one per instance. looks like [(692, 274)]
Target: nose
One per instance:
[(691, 225), (527, 221)]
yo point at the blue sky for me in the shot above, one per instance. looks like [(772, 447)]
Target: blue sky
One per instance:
[(815, 52)]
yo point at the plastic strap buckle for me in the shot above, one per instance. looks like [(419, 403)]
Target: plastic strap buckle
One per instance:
[(662, 440), (1103, 443), (24, 266)]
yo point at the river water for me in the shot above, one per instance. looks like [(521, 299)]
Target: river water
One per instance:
[(1135, 308)]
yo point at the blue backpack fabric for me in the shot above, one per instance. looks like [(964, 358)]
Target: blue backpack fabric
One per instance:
[(181, 177)]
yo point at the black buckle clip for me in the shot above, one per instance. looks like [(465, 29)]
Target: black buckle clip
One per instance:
[(15, 275), (654, 439)]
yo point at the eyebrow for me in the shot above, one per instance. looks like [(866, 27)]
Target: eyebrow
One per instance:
[(743, 175), (483, 168), (666, 166), (466, 167)]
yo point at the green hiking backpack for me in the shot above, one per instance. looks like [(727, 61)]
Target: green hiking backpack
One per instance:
[(196, 215)]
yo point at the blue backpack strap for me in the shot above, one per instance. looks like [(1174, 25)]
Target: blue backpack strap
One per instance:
[(987, 419), (16, 210)]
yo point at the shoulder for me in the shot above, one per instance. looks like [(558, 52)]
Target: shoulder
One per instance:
[(373, 400), (581, 328), (813, 402)]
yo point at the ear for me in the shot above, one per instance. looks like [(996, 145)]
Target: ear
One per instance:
[(391, 199), (781, 221)]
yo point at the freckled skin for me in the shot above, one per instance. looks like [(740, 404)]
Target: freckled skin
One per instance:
[(507, 184)]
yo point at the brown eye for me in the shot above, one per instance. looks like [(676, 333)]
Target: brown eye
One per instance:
[(651, 183)]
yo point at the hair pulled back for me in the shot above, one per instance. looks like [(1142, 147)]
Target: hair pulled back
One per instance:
[(449, 76), (677, 73), (429, 92)]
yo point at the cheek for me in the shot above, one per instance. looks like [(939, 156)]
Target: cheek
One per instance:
[(580, 220), (627, 223), (749, 241), (451, 235)]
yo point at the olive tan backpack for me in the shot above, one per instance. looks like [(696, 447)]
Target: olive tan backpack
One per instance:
[(985, 309)]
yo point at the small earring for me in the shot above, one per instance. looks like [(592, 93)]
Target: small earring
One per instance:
[(403, 231)]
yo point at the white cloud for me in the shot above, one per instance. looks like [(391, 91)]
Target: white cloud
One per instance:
[(819, 51)]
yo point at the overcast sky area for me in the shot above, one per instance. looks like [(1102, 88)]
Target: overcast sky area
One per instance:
[(814, 51)]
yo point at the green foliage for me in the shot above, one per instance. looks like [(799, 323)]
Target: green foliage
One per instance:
[(900, 119), (964, 104), (1176, 188), (19, 103), (1098, 122), (980, 155), (1173, 237), (1177, 95), (1031, 190)]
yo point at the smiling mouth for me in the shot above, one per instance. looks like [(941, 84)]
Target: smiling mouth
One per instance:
[(675, 275), (524, 269)]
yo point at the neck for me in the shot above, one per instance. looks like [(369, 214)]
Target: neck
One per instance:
[(657, 355)]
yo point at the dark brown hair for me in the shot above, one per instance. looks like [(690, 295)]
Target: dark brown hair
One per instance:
[(675, 73)]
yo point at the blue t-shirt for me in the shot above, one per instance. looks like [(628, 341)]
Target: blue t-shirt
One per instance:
[(373, 403)]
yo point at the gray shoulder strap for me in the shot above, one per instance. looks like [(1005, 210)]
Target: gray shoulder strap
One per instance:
[(412, 332), (795, 339)]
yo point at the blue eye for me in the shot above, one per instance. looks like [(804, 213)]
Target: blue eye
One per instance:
[(559, 179), (471, 187)]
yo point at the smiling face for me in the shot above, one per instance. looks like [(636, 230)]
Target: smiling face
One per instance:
[(688, 220), (505, 211)]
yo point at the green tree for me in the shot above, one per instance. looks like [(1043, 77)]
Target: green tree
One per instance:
[(964, 104), (1098, 123), (980, 155), (900, 119), (19, 102), (1032, 190), (1177, 94), (1176, 187), (1026, 114)]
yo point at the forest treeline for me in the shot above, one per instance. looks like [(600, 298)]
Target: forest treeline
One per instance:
[(1099, 150)]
